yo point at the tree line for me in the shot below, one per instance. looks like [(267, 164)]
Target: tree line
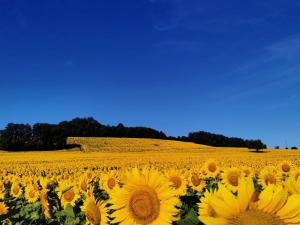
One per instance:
[(44, 136), (218, 140)]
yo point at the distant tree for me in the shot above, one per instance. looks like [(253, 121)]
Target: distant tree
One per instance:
[(81, 127), (144, 132), (120, 130), (172, 138), (276, 147), (257, 145), (294, 148), (43, 136), (1, 132), (16, 137), (206, 138)]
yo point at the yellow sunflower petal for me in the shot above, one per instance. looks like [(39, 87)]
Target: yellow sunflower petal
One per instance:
[(291, 208)]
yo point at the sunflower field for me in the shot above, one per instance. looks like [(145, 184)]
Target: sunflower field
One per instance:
[(216, 186)]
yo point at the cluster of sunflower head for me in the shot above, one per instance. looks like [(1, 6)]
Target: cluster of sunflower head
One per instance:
[(206, 194)]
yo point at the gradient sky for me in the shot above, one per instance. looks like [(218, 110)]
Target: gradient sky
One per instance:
[(229, 67)]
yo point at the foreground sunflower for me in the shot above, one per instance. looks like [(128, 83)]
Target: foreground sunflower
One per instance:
[(210, 168), (272, 207), (68, 194), (83, 184), (247, 171), (196, 181), (89, 174), (230, 178), (295, 173), (95, 212), (205, 209), (293, 185), (44, 203), (109, 181), (3, 209), (16, 190), (177, 181), (285, 166), (145, 198), (31, 194), (268, 176), (2, 195), (2, 186)]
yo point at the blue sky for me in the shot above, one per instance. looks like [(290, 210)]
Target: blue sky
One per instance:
[(229, 67)]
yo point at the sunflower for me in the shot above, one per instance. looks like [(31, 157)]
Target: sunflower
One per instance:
[(3, 209), (16, 190), (66, 176), (145, 198), (196, 181), (16, 179), (295, 173), (68, 194), (177, 181), (293, 184), (2, 194), (248, 171), (26, 181), (210, 168), (285, 166), (31, 194), (44, 181), (44, 203), (230, 178), (2, 190), (83, 184), (268, 176), (284, 169), (273, 207), (2, 187), (205, 209), (109, 181), (95, 212), (36, 186), (89, 174)]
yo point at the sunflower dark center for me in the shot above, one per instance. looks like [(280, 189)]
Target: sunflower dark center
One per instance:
[(69, 195), (144, 206), (195, 180), (176, 182), (233, 178), (31, 193), (111, 183), (16, 190), (212, 167), (286, 168), (270, 179), (255, 217)]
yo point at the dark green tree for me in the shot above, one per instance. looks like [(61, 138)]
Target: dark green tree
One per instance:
[(16, 137)]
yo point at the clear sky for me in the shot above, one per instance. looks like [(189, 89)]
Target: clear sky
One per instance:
[(229, 67)]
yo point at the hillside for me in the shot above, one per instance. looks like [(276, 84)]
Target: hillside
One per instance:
[(44, 136), (133, 144)]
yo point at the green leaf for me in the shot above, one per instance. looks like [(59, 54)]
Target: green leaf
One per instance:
[(191, 218), (34, 216), (69, 212)]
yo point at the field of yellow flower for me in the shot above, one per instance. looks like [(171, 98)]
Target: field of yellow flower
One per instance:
[(145, 181)]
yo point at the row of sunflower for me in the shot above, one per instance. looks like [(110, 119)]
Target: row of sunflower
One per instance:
[(208, 194)]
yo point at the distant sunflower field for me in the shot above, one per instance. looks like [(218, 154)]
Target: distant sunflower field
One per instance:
[(150, 182)]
